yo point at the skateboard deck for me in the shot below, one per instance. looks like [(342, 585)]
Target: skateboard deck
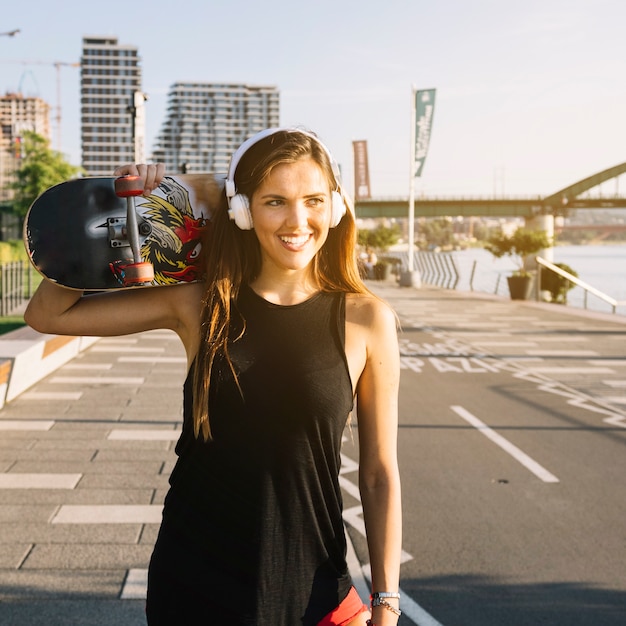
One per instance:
[(76, 233)]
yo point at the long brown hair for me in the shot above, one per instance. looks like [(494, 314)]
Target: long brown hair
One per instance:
[(233, 256)]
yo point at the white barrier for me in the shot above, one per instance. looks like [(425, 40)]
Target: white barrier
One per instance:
[(27, 356)]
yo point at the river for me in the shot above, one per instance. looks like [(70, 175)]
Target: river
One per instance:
[(602, 267)]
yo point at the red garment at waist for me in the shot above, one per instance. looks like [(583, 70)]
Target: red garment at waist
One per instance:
[(346, 611)]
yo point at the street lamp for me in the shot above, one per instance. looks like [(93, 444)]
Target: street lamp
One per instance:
[(10, 33)]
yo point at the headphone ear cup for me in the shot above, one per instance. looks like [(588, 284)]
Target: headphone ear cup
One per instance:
[(338, 209), (240, 211)]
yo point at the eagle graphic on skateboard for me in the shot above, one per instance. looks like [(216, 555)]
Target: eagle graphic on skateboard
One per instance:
[(101, 233)]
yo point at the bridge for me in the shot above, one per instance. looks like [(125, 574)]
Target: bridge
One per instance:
[(558, 203)]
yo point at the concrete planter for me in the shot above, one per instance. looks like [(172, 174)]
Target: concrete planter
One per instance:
[(520, 287)]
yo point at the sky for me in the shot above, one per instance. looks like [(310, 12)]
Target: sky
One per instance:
[(531, 95)]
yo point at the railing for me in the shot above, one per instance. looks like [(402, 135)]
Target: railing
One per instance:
[(588, 289), (436, 268), (15, 286), (440, 269)]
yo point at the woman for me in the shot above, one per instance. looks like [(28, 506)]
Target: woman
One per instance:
[(280, 339)]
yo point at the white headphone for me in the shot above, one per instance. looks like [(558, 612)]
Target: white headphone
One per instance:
[(239, 204)]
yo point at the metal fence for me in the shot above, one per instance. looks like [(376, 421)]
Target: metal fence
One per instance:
[(442, 269), (436, 268), (16, 286)]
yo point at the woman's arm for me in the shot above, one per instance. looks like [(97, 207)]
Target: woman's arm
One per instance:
[(60, 311), (379, 479)]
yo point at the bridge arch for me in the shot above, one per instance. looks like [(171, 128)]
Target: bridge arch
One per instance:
[(568, 193)]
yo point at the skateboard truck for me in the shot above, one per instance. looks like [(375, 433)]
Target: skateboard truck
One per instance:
[(135, 271)]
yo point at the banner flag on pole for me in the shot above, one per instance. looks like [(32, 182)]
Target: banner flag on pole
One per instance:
[(425, 109), (361, 171)]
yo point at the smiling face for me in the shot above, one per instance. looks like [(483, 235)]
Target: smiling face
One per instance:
[(291, 212)]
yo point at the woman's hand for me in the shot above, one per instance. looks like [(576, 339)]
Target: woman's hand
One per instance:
[(151, 174)]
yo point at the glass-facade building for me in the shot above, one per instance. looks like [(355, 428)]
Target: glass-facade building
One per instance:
[(206, 122), (111, 131)]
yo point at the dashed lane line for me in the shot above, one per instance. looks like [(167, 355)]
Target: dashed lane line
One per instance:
[(538, 470)]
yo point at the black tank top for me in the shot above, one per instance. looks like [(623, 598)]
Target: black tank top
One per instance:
[(260, 506)]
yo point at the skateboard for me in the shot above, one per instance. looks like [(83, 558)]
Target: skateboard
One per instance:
[(100, 233)]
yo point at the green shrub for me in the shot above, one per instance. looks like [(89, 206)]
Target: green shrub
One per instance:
[(557, 285)]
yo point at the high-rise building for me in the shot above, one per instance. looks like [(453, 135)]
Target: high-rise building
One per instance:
[(205, 123), (112, 121), (17, 115)]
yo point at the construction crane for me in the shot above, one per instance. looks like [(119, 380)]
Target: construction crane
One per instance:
[(57, 65)]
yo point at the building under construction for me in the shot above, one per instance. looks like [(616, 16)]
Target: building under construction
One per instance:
[(18, 114)]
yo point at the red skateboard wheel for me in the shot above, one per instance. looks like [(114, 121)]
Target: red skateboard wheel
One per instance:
[(138, 273), (130, 274), (127, 186)]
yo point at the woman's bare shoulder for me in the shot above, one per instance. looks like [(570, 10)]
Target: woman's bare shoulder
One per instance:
[(367, 309)]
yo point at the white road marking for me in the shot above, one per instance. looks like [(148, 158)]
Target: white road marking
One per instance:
[(39, 481), (136, 585), (415, 612), (611, 362), (125, 349), (87, 366), (553, 353), (152, 359), (348, 465), (556, 339), (356, 571), (26, 424), (530, 464), (490, 343), (571, 370), (108, 514), (615, 399), (122, 434), (51, 395), (98, 380)]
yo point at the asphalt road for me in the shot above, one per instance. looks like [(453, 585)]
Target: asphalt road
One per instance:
[(512, 436)]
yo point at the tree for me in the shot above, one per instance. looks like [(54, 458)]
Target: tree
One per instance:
[(380, 238), (522, 243), (40, 168), (437, 232)]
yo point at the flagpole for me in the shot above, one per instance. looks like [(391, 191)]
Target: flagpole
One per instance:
[(412, 182)]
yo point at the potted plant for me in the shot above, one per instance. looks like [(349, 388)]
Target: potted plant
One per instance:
[(519, 245)]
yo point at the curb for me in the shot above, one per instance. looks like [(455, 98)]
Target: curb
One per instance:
[(27, 356)]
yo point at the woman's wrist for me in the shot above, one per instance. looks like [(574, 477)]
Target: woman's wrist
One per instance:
[(383, 603)]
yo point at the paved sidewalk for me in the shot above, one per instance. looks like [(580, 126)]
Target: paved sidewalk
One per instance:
[(85, 456), (86, 453)]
